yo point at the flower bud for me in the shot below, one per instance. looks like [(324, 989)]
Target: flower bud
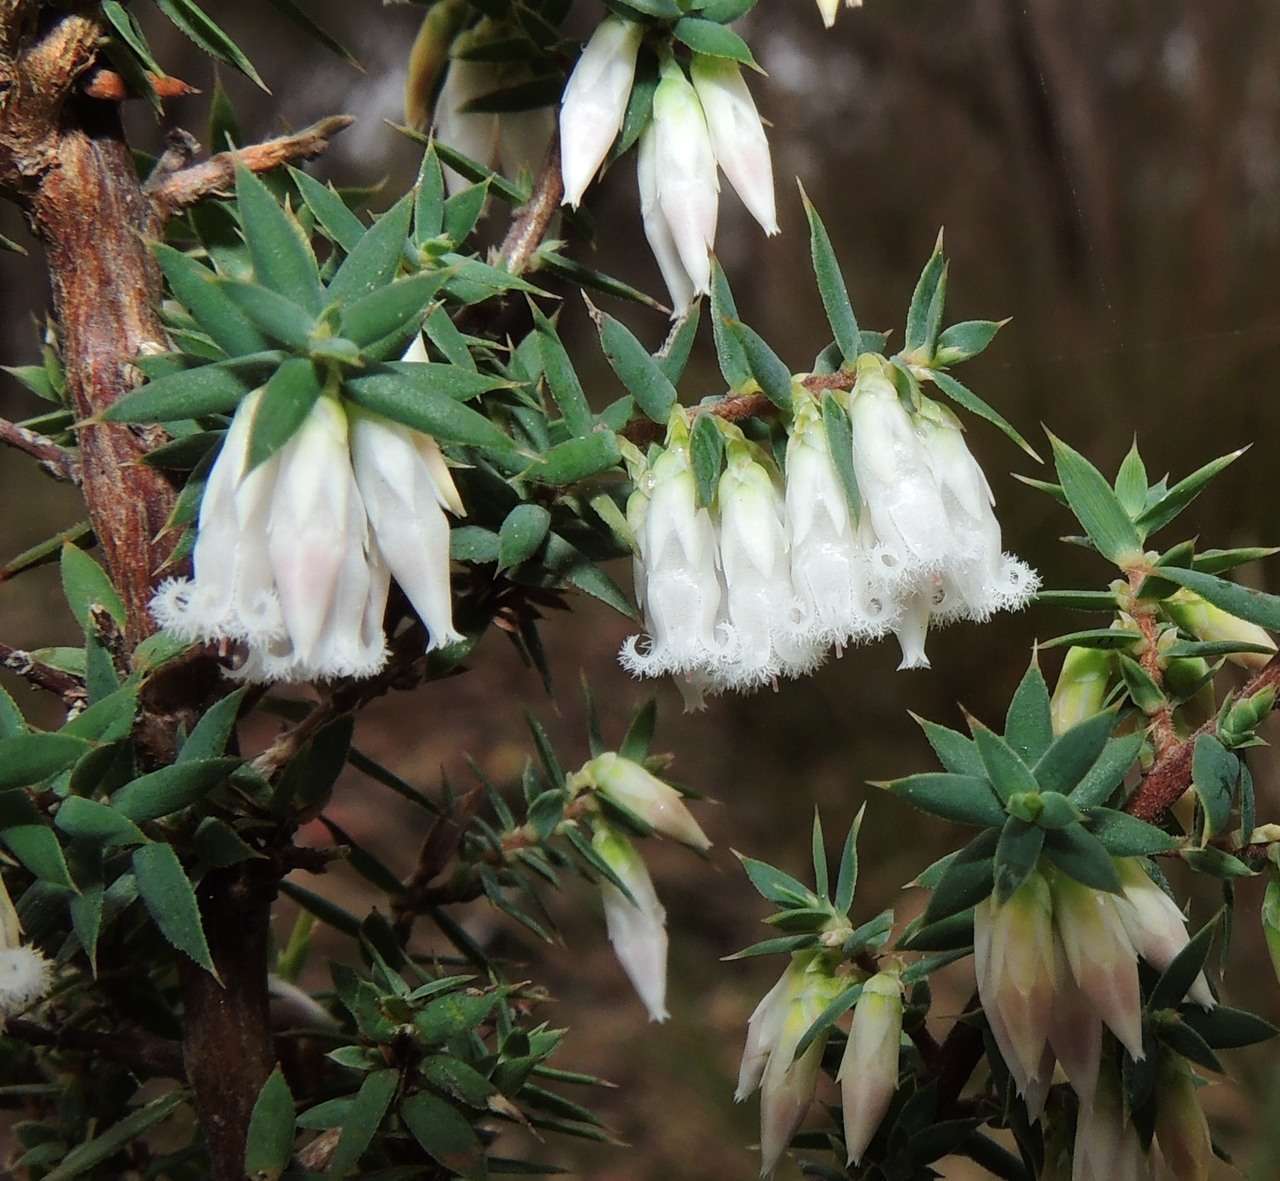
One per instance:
[(656, 228), (473, 133), (1014, 960), (685, 167), (662, 807), (1082, 687), (1101, 957), (429, 55), (1211, 624), (737, 134), (868, 1074), (1181, 1129), (595, 102), (1156, 927), (1107, 1147), (636, 925)]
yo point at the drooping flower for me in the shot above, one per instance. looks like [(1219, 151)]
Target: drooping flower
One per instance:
[(1181, 1128), (1107, 1147), (627, 783), (737, 135), (1075, 1030), (830, 9), (657, 230), (868, 1073), (636, 924), (25, 974), (595, 102), (685, 171)]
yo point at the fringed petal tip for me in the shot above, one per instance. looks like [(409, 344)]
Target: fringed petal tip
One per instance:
[(265, 666), (25, 977), (180, 607)]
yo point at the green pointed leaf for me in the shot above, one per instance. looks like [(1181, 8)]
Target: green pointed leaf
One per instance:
[(462, 212), (1215, 772), (85, 1157), (170, 789), (523, 531), (584, 276), (296, 12), (776, 885), (636, 369), (957, 753), (706, 453), (1007, 773), (827, 1018), (949, 934), (714, 40), (831, 285), (269, 1143), (1028, 726), (89, 820), (278, 246), (577, 459), (961, 395), (1131, 482), (275, 315), (674, 356), (331, 212), (170, 900), (26, 759), (729, 351), (968, 878), (1218, 561), (783, 945), (389, 309), (428, 208), (194, 393), (820, 868), (1217, 863), (197, 289), (966, 799), (1071, 754), (1126, 836), (966, 340), (86, 586), (1181, 973), (291, 393), (922, 315), (1072, 600), (1102, 638), (1095, 505), (411, 400), (1081, 855), (362, 1119), (1228, 1029), (192, 20), (1106, 774), (1168, 506), (1141, 686), (374, 260), (1017, 852), (1241, 601), (562, 378), (209, 737), (769, 370), (847, 876), (639, 737), (839, 431)]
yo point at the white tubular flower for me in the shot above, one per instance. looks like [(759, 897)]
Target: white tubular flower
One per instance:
[(636, 925), (25, 974), (788, 1084), (1075, 1030), (753, 555), (1081, 690), (737, 134), (474, 134), (406, 488), (762, 1031), (656, 228), (1101, 956), (688, 190), (1107, 1147), (868, 1074), (979, 578), (595, 102), (1207, 622), (1155, 926), (1014, 960), (829, 566), (911, 626), (656, 803), (902, 498), (677, 568), (1181, 1129)]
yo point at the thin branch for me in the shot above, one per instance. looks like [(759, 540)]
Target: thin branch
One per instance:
[(1164, 785), (529, 226), (134, 1048), (175, 191), (56, 461), (43, 676)]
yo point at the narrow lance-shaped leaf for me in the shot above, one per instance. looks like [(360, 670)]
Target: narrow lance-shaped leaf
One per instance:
[(281, 252), (166, 891), (1096, 505), (638, 371), (729, 350), (831, 285), (961, 395), (769, 370), (562, 378)]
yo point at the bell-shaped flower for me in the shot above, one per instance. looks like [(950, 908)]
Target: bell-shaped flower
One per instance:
[(1107, 1147), (1212, 625), (831, 576), (1014, 961), (1101, 956), (656, 227), (1181, 1129), (25, 974), (1082, 687), (657, 804), (1155, 926), (759, 601), (737, 134), (762, 1030), (685, 168), (788, 1083), (636, 924), (676, 566), (1075, 1030), (868, 1073), (595, 102)]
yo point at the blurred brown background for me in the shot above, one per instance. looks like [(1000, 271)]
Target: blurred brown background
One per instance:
[(1109, 175)]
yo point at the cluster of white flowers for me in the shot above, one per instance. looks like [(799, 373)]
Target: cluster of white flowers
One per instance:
[(761, 583), (1059, 960), (702, 121), (294, 557), (25, 974), (868, 1073)]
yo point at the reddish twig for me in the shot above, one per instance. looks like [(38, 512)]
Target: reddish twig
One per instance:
[(109, 86), (532, 219), (43, 676), (56, 461)]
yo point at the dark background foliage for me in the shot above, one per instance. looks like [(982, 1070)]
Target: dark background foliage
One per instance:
[(1108, 174)]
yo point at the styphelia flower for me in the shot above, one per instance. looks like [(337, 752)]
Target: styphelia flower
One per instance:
[(830, 8), (1155, 926), (25, 974), (868, 1073), (1101, 956), (1075, 1030), (1107, 1147), (1181, 1128), (737, 135), (685, 168), (1082, 686), (475, 134), (595, 102), (676, 553), (759, 601), (636, 925), (787, 1084), (627, 783), (1209, 623), (1013, 949), (656, 228)]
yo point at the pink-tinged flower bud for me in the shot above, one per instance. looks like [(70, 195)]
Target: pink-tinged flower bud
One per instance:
[(737, 134), (1156, 927), (1014, 960), (656, 228), (595, 102), (1075, 1030), (1212, 624), (1082, 686), (1181, 1128), (636, 925), (685, 167), (1101, 956), (628, 784), (869, 1069), (1107, 1147)]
